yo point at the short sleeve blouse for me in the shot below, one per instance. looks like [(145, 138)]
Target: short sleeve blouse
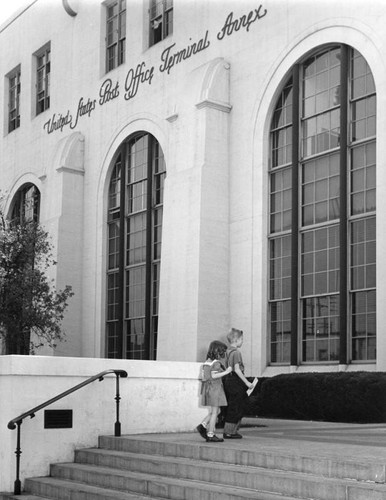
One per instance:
[(234, 357)]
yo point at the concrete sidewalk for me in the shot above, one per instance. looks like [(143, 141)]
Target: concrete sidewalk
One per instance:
[(319, 439)]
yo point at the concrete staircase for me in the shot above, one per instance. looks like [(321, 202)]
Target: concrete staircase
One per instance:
[(174, 467)]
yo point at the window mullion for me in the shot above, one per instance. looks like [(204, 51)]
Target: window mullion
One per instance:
[(121, 259), (295, 218), (149, 341), (343, 227)]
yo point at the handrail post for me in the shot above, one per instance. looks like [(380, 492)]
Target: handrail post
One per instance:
[(17, 421), (17, 484), (117, 426)]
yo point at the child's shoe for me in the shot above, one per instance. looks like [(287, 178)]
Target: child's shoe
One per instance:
[(202, 431), (232, 436), (214, 439)]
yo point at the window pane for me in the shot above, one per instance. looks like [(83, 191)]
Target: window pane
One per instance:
[(281, 200), (363, 240), (320, 320), (320, 261), (280, 267), (280, 316), (363, 325), (363, 178)]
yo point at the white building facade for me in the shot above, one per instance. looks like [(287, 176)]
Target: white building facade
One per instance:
[(202, 165)]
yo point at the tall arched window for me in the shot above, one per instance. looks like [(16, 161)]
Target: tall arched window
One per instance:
[(322, 277), (134, 248), (26, 204)]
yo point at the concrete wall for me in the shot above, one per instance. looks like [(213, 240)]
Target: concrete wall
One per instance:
[(210, 114), (156, 397)]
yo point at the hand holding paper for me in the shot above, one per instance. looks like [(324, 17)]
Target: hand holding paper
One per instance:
[(254, 383)]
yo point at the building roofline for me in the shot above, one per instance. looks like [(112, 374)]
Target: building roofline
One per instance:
[(16, 15)]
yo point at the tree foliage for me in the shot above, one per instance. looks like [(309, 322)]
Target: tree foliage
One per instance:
[(31, 309)]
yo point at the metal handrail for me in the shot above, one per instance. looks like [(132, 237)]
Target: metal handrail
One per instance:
[(17, 421)]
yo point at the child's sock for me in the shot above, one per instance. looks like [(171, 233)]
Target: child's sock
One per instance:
[(210, 434), (204, 424)]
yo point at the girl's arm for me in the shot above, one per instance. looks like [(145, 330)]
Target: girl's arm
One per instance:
[(241, 375), (221, 374)]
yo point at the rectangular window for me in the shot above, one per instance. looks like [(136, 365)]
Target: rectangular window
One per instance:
[(161, 20), (43, 74), (14, 99), (115, 34)]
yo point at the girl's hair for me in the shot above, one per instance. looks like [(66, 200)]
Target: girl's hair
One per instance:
[(234, 334), (216, 350)]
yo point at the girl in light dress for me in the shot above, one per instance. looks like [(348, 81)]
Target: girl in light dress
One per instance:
[(212, 390)]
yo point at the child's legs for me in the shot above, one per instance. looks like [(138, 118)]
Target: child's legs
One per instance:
[(206, 420), (236, 396), (213, 412)]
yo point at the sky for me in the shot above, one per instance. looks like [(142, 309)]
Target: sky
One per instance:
[(8, 7)]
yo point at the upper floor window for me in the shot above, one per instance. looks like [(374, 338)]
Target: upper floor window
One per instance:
[(14, 99), (161, 20), (322, 238), (43, 74), (115, 34)]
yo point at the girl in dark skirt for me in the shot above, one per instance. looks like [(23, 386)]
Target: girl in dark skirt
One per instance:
[(212, 390)]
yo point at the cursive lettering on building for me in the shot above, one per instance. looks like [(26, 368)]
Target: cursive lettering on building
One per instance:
[(108, 92), (83, 109), (244, 21), (57, 122), (141, 74), (170, 59), (135, 78)]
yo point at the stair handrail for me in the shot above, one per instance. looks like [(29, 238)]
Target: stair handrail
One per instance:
[(17, 421)]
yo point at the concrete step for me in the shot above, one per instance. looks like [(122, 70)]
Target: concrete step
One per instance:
[(22, 496), (148, 486), (58, 489), (278, 458), (146, 473)]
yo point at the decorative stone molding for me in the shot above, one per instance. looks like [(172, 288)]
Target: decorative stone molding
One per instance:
[(70, 154), (215, 87), (70, 9)]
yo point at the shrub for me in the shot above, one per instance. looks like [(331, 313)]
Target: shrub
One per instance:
[(358, 397)]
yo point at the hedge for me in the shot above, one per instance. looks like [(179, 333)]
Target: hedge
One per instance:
[(358, 397)]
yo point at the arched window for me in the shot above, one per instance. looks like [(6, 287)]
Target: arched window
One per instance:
[(26, 204), (134, 248), (322, 274)]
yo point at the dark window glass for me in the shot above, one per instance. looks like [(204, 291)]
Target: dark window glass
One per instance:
[(14, 100), (26, 205), (43, 76), (115, 34), (161, 20)]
